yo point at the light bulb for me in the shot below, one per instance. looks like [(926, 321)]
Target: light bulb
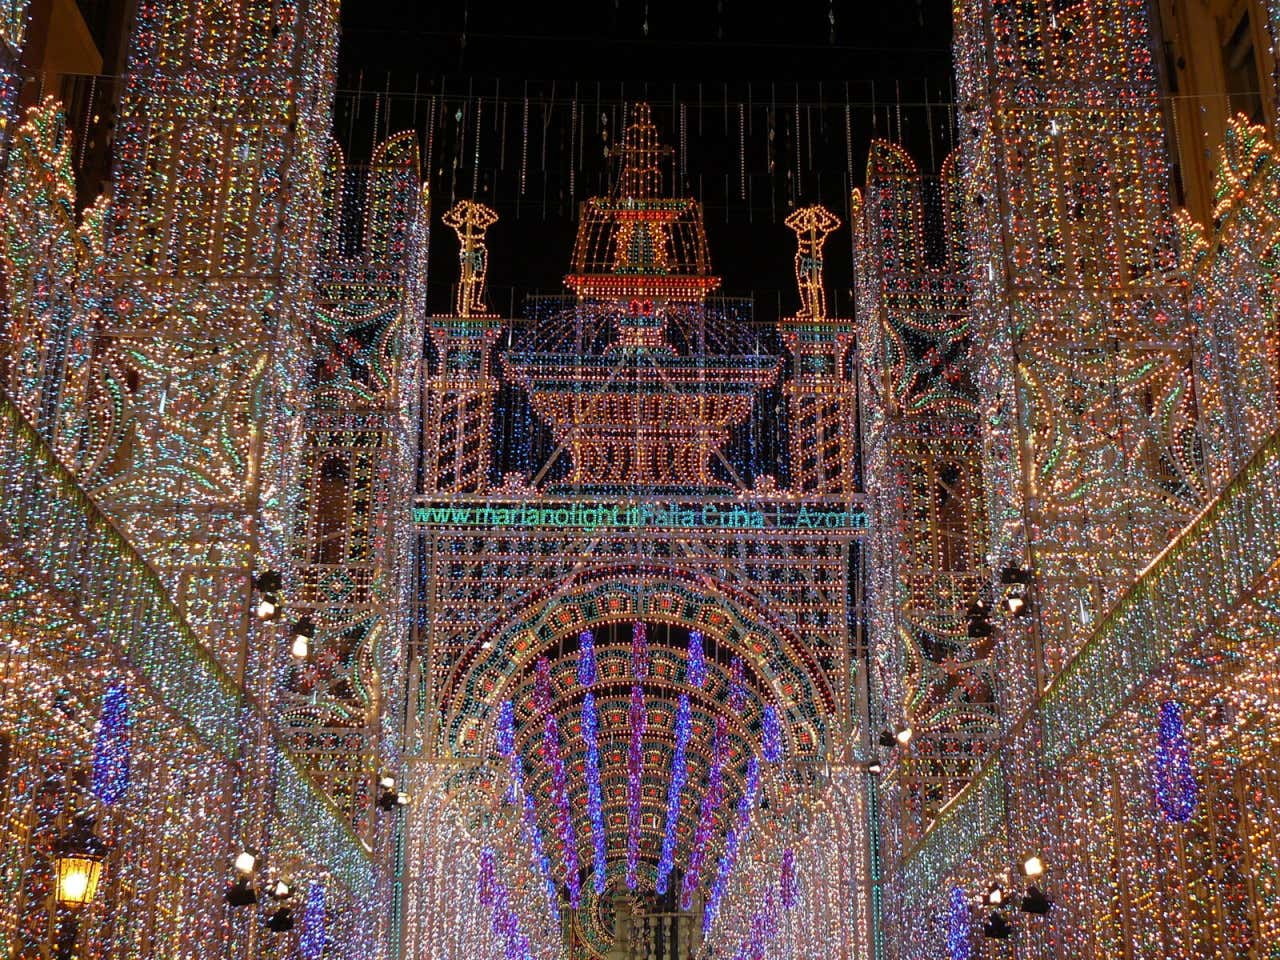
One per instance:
[(245, 862), (266, 608), (301, 647), (904, 736), (1033, 867)]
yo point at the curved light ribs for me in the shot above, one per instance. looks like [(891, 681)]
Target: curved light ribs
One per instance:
[(106, 430)]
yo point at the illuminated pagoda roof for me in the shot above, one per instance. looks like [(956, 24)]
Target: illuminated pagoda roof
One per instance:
[(637, 243), (641, 380)]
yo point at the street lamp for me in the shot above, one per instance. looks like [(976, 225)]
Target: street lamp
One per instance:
[(77, 860)]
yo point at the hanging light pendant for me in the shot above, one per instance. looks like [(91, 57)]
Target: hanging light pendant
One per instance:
[(77, 861)]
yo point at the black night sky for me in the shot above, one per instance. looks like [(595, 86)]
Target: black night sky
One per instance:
[(762, 96)]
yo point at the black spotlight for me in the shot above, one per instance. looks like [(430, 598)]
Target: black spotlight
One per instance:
[(1035, 901), (887, 739), (281, 920), (980, 628), (241, 893), (269, 581), (1012, 574), (978, 610), (997, 928)]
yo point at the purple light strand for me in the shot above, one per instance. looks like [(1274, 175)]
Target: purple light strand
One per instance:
[(542, 684), (771, 735), (564, 819), (595, 807), (679, 773), (505, 733), (506, 923), (312, 939), (586, 658), (635, 768), (711, 801), (788, 883), (737, 692), (111, 746), (696, 668), (959, 926), (532, 832), (1175, 778), (639, 650), (762, 929), (733, 843)]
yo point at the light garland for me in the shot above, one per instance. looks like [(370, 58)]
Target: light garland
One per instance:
[(711, 801), (679, 771), (771, 735), (586, 658), (637, 718), (696, 661), (1175, 781), (590, 727), (734, 840)]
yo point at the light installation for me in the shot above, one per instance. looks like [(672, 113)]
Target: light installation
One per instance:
[(712, 798), (771, 735), (586, 658), (311, 941), (737, 835), (959, 926), (1057, 385), (590, 733), (696, 663)]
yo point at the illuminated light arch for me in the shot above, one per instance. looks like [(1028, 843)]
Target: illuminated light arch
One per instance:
[(776, 659)]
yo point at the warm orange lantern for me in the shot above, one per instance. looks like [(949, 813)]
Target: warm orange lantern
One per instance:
[(77, 860)]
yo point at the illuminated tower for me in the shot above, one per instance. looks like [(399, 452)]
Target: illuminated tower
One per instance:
[(211, 241), (822, 407), (1085, 385), (460, 391), (350, 545), (923, 462), (640, 412)]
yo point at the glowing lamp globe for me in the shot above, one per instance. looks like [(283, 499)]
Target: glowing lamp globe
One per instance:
[(77, 861)]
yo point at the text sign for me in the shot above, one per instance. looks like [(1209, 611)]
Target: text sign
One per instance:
[(622, 517)]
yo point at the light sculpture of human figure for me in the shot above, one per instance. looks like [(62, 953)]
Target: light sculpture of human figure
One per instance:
[(469, 221), (811, 225)]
